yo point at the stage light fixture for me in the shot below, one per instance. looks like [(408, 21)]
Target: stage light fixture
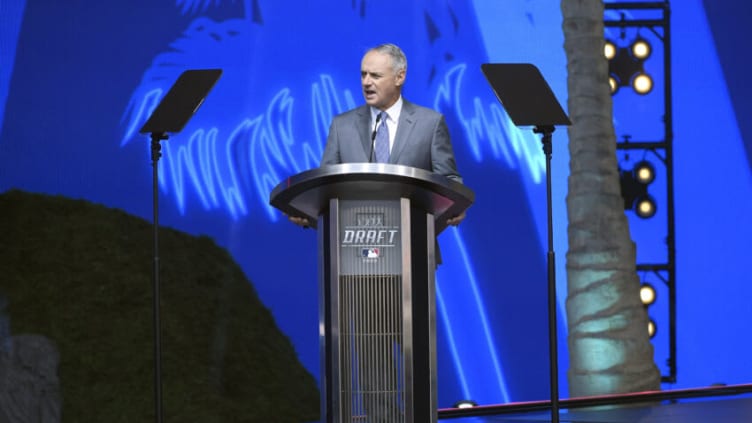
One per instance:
[(613, 85), (630, 188), (644, 172), (634, 189), (652, 328), (465, 404), (641, 49), (609, 50), (625, 66), (645, 207), (647, 294), (642, 83)]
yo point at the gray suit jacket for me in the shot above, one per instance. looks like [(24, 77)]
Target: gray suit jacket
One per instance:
[(422, 140)]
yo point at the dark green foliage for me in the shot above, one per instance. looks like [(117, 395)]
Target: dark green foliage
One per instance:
[(81, 274)]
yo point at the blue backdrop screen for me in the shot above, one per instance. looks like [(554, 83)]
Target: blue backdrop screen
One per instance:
[(78, 79)]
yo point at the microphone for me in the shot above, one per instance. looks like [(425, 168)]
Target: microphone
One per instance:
[(373, 137)]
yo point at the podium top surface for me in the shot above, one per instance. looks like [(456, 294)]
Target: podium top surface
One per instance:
[(308, 193)]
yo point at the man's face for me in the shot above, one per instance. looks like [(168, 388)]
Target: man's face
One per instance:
[(381, 85)]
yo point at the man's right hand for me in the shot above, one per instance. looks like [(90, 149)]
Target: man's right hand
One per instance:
[(300, 221)]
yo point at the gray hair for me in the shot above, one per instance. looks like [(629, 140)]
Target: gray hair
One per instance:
[(399, 61)]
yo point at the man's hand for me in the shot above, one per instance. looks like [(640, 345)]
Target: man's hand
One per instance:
[(300, 221), (456, 219)]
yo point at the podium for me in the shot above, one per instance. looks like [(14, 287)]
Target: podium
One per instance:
[(377, 225)]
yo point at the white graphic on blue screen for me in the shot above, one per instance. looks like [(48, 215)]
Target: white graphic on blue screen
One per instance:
[(267, 119)]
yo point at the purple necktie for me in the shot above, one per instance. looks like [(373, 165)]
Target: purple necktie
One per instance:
[(382, 140)]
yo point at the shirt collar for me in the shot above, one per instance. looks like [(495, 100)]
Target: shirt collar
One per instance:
[(392, 112)]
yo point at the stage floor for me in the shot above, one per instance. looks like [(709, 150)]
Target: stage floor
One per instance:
[(716, 410)]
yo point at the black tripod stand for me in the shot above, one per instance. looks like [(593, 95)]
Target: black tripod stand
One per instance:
[(171, 115), (529, 101)]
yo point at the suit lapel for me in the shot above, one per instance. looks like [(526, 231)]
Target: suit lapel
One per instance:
[(405, 127), (364, 128)]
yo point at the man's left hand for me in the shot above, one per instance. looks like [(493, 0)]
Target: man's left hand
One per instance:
[(456, 219)]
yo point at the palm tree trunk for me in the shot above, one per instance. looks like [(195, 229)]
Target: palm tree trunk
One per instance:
[(609, 348)]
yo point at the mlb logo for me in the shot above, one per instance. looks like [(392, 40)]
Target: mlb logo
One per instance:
[(369, 253)]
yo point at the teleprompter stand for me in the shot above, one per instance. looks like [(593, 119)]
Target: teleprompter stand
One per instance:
[(529, 101), (170, 116)]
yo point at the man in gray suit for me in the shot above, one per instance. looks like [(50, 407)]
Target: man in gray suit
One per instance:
[(418, 136)]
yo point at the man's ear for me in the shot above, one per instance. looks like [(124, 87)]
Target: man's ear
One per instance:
[(400, 78)]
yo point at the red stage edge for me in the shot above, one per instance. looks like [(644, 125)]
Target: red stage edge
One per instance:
[(596, 401)]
